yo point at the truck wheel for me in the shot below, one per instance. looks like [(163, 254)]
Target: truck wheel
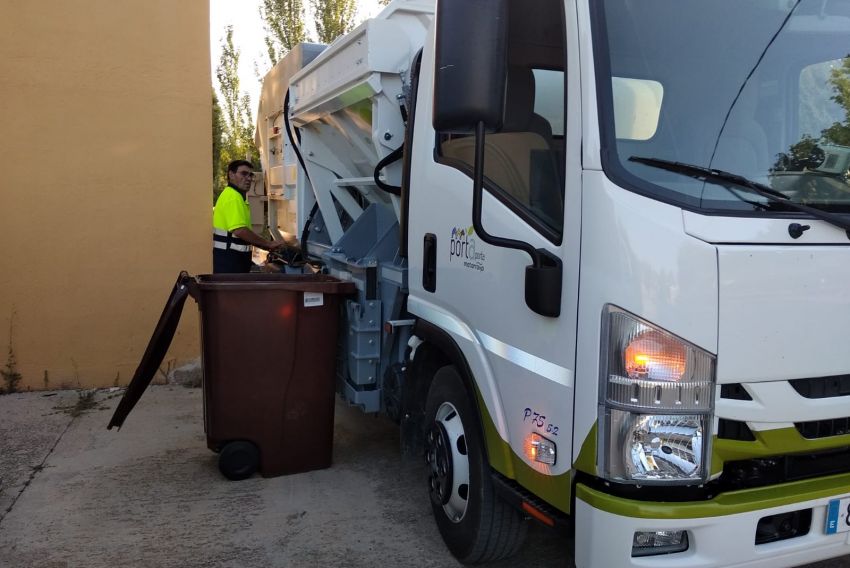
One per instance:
[(238, 460), (476, 525)]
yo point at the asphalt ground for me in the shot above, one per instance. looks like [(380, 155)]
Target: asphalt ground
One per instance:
[(73, 494)]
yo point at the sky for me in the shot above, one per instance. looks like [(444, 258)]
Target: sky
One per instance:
[(248, 37)]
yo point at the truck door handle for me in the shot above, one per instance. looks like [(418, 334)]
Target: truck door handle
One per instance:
[(429, 262)]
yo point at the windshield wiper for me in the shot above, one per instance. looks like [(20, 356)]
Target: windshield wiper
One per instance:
[(724, 178)]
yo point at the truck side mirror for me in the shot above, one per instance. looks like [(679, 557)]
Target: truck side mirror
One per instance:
[(543, 283), (470, 64)]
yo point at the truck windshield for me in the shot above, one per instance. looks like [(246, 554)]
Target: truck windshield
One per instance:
[(760, 89)]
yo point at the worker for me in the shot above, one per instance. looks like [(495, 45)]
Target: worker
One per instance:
[(232, 234)]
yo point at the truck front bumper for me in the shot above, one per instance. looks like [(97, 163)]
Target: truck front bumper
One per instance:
[(721, 532)]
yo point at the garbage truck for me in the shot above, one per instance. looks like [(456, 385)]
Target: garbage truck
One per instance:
[(602, 259)]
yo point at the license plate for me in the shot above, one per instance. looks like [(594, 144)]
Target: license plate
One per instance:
[(838, 516)]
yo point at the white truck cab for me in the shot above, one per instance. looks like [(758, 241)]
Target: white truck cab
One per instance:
[(602, 251)]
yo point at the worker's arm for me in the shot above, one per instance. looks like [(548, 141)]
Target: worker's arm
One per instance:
[(256, 240)]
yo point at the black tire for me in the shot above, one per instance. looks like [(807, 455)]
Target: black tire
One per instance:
[(475, 523), (239, 460)]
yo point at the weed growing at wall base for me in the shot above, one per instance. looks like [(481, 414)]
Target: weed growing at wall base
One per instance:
[(10, 374)]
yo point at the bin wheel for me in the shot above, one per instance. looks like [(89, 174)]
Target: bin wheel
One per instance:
[(475, 523), (239, 460)]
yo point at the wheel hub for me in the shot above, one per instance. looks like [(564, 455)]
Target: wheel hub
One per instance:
[(448, 462), (439, 459)]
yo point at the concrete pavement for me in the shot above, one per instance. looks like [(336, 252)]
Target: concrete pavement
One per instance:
[(73, 494), (151, 495)]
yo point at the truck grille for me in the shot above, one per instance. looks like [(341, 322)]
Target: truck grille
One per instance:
[(734, 430), (822, 387), (823, 428), (817, 408), (734, 391), (758, 472)]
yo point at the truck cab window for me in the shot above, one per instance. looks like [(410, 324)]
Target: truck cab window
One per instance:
[(549, 99), (769, 105), (524, 160)]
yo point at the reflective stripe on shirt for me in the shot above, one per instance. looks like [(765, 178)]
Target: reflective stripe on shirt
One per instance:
[(238, 248)]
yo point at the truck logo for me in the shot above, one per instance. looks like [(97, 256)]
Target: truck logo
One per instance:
[(464, 247)]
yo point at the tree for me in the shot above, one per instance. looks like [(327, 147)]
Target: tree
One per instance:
[(237, 140), (217, 141), (333, 18), (839, 132), (284, 25)]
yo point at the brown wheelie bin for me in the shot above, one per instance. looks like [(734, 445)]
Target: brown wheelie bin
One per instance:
[(269, 356), (268, 345)]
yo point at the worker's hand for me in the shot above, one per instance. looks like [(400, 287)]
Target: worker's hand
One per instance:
[(277, 244)]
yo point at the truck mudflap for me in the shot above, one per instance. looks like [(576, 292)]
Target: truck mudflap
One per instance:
[(155, 352), (740, 528)]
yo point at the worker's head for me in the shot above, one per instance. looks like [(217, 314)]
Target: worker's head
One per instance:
[(239, 174)]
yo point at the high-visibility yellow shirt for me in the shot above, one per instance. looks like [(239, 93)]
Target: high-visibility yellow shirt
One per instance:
[(231, 211)]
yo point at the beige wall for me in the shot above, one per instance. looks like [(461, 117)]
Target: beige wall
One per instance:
[(106, 182)]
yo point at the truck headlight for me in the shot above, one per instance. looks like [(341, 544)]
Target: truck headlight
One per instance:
[(656, 403)]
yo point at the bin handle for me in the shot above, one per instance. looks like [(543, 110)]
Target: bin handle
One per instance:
[(191, 283)]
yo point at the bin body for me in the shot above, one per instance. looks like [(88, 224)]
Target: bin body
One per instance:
[(269, 345)]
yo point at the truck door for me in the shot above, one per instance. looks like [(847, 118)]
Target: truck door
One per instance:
[(522, 362)]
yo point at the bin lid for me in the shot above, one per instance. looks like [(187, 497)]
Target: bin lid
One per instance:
[(157, 348), (321, 283)]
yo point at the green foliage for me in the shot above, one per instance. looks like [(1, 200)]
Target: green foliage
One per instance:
[(10, 374), (217, 143), (839, 132), (333, 18), (86, 400), (806, 153), (236, 118), (227, 74), (284, 25), (799, 155)]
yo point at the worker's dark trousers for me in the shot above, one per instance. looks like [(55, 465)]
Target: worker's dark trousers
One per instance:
[(230, 261)]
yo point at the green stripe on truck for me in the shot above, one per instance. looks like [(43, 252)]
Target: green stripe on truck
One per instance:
[(556, 490), (731, 503)]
